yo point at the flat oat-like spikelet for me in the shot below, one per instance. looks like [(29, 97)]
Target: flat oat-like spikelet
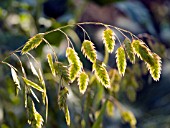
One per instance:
[(142, 51), (32, 43), (83, 80), (101, 74), (121, 60), (109, 39), (75, 63), (74, 71), (129, 50), (62, 71), (72, 56), (88, 50), (155, 69)]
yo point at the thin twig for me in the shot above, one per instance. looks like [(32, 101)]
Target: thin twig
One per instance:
[(85, 32), (11, 54), (55, 55)]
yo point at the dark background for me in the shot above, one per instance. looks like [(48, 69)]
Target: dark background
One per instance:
[(148, 19)]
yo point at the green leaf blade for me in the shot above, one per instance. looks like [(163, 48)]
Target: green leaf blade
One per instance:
[(97, 123)]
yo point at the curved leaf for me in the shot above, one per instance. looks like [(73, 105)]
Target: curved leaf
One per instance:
[(121, 60), (33, 42), (109, 39), (88, 50), (101, 74), (129, 50), (83, 80), (98, 121)]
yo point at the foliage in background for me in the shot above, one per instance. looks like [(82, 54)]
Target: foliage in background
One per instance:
[(75, 71), (90, 102)]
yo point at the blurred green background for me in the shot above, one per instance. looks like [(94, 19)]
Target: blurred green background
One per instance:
[(148, 19)]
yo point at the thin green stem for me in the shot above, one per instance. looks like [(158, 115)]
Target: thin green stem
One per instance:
[(55, 55), (85, 32), (57, 29), (10, 65), (106, 56), (78, 24), (120, 32), (68, 39), (23, 71), (116, 102), (11, 54), (32, 58), (118, 40)]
